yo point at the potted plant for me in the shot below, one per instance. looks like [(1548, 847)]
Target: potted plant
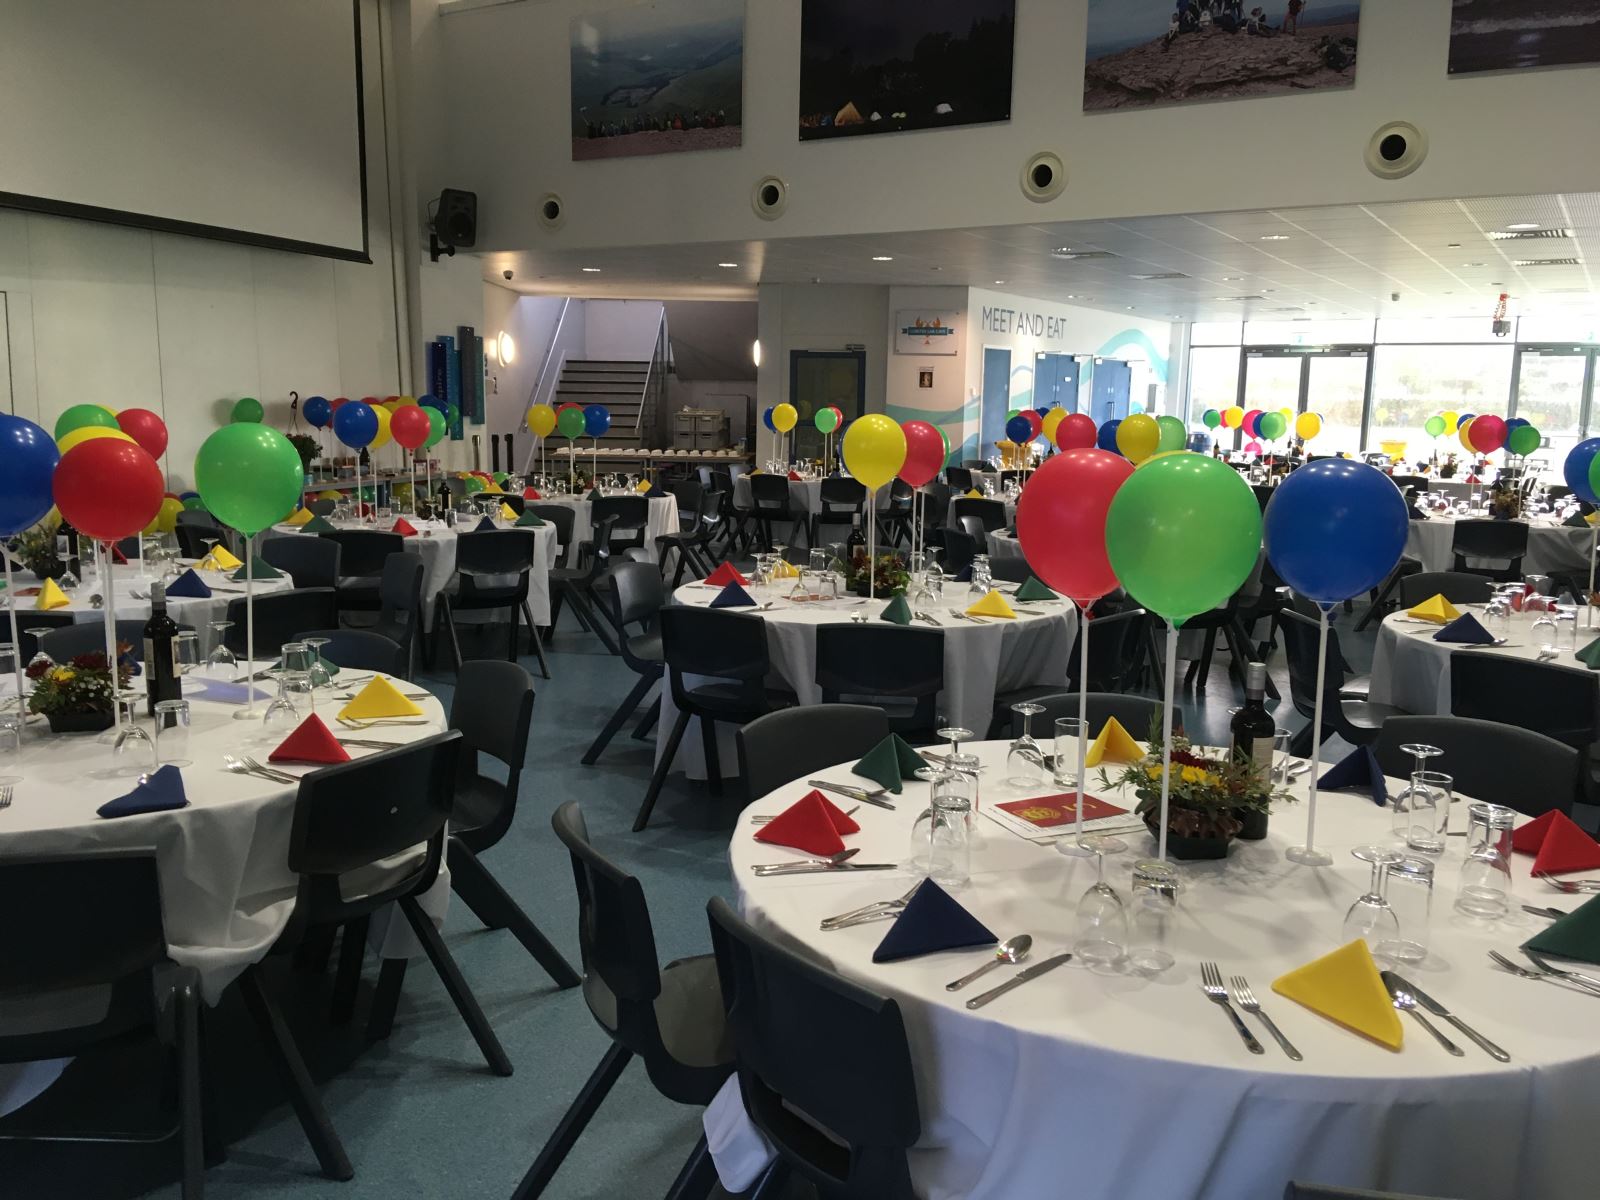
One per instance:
[(77, 696), (1505, 501), (35, 549), (888, 575), (1448, 469), (308, 449)]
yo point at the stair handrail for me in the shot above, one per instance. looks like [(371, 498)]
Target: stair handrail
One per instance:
[(544, 367), (660, 354)]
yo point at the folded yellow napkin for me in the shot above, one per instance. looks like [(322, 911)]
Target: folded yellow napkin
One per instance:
[(1113, 745), (785, 570), (1435, 608), (51, 596), (300, 517), (378, 699), (642, 486), (1346, 988), (505, 512), (493, 489), (974, 494), (992, 605), (219, 560)]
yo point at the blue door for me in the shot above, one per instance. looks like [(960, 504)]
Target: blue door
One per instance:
[(1112, 378), (996, 400), (1055, 382)]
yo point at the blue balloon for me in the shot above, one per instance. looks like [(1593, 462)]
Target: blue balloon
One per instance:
[(596, 420), (318, 411), (1576, 470), (1108, 436), (1043, 412), (1335, 528), (30, 458), (766, 418), (355, 424), (1200, 442), (1516, 423), (1019, 431), (1464, 418), (432, 401)]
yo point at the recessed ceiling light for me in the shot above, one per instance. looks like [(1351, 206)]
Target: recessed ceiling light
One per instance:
[(883, 258), (1070, 296), (999, 281), (1274, 237), (1474, 264), (591, 270), (1130, 308), (1232, 278), (1523, 225), (727, 266)]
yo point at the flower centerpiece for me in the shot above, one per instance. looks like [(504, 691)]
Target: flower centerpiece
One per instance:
[(77, 696), (887, 576), (35, 549), (1505, 501), (1212, 796)]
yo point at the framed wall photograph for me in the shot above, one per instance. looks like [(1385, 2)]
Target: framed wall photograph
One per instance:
[(1517, 35), (920, 331)]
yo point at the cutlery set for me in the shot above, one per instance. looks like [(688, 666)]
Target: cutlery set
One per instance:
[(249, 766), (1408, 997), (1572, 980), (5, 795), (860, 795)]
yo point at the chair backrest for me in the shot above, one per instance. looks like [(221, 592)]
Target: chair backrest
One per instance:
[(359, 650), (36, 620), (279, 616), (1133, 713), (991, 512), (493, 710), (562, 516), (882, 660), (309, 561), (793, 742), (631, 512), (1010, 570), (193, 537), (688, 493), (769, 491), (496, 551), (89, 637), (844, 1122), (935, 506), (1300, 637), (400, 587), (959, 478), (1561, 702), (1501, 540), (1317, 1191), (1455, 586), (363, 551), (841, 497), (321, 508), (960, 549), (718, 642), (1500, 764), (1114, 630), (196, 516), (972, 526), (640, 594)]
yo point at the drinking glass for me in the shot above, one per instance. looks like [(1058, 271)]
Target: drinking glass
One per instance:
[(1566, 635), (39, 656), (1411, 899), (1485, 889), (172, 732), (1069, 730), (982, 579), (1102, 921), (186, 652), (952, 734), (1421, 813), (11, 723), (1025, 761), (220, 655), (1370, 917), (134, 751), (941, 838), (1282, 760), (295, 662), (1543, 632), (281, 718), (1155, 915), (319, 667), (385, 513)]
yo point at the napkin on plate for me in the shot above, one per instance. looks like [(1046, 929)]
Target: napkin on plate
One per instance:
[(378, 699), (530, 520), (992, 605), (1358, 769), (157, 792), (897, 611), (1558, 845), (1345, 987), (311, 742), (890, 763), (1032, 589), (1113, 744), (485, 525), (189, 586), (1436, 609), (51, 596), (507, 513), (732, 596), (1575, 936), (318, 525), (1589, 656), (1465, 630), (260, 568), (404, 528), (932, 921), (726, 573), (299, 517), (810, 824)]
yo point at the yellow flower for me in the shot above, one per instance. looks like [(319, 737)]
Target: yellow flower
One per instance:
[(1153, 772), (63, 674)]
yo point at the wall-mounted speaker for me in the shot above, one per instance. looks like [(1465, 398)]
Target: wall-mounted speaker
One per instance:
[(1044, 177), (552, 212), (454, 225), (769, 197), (1396, 150)]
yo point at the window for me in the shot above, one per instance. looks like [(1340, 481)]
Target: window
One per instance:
[(1214, 333), (1307, 333), (1213, 380), (1412, 383)]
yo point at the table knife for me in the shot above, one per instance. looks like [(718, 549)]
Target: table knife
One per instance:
[(1439, 1010), (860, 794), (824, 869), (1017, 980)]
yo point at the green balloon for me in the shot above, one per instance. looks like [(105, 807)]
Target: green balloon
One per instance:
[(1173, 434), (436, 428), (81, 415), (1524, 439), (194, 504), (826, 420), (500, 477), (473, 484), (1434, 426), (569, 423), (249, 475), (1183, 533), (247, 410), (1272, 425), (1211, 419)]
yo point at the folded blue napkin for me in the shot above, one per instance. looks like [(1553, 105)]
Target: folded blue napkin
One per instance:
[(931, 922), (732, 596), (155, 793), (486, 523), (1467, 630), (1360, 769), (655, 492), (964, 575), (224, 691), (189, 586)]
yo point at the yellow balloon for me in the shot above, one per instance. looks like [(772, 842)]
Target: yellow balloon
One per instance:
[(330, 494), (1288, 416), (88, 433), (874, 447), (541, 420), (167, 515), (381, 438), (1138, 437), (407, 402), (1307, 426), (1052, 420), (1451, 421), (785, 417), (1232, 417), (1461, 433)]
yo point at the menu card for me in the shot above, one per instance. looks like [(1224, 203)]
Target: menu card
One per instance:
[(1045, 818)]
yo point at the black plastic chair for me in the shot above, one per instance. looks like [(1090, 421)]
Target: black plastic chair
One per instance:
[(771, 501), (492, 570), (400, 610), (894, 518), (347, 818), (671, 1017), (841, 502), (793, 742), (1458, 587), (565, 518), (687, 493), (693, 545), (640, 596), (1317, 1191), (960, 549), (1010, 570), (195, 516), (310, 561), (1133, 713), (358, 650), (1559, 702), (958, 478), (845, 1125), (897, 668), (43, 620), (991, 512), (631, 515), (1118, 646), (729, 649), (493, 710), (195, 538), (279, 617), (1489, 761), (362, 553), (1357, 722), (86, 968), (1500, 541), (89, 637), (576, 586)]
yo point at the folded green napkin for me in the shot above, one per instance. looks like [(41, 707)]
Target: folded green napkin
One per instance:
[(1034, 590), (260, 568), (897, 611), (1575, 936), (594, 494), (529, 520), (331, 668), (317, 525), (1589, 656), (890, 763)]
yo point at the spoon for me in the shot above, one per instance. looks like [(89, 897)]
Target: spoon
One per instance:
[(1012, 950)]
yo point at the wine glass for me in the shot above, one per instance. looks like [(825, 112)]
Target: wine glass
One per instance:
[(953, 734), (320, 676), (220, 655), (1102, 921), (1155, 915), (37, 634), (1370, 917), (296, 660), (1024, 760), (1422, 753), (134, 750), (281, 717)]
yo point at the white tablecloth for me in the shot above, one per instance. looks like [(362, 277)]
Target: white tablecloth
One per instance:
[(1551, 545), (805, 495), (979, 659), (1108, 1085), (661, 518), (1003, 545)]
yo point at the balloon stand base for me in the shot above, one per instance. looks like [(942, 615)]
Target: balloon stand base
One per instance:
[(1073, 848), (247, 714), (1308, 856)]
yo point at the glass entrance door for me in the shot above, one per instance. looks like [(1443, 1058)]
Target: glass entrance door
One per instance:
[(1554, 390), (1330, 381)]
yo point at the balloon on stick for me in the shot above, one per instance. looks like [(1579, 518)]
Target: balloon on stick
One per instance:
[(1211, 418), (1106, 438), (1247, 423), (874, 450), (1076, 431), (249, 475), (383, 416), (1307, 425), (146, 428), (1138, 437), (784, 417), (766, 419), (355, 424), (1464, 435), (541, 419), (1272, 426), (89, 433), (1050, 422), (924, 453), (30, 457), (1173, 434), (1018, 430), (1488, 433), (1524, 440), (1232, 417), (826, 420), (247, 409), (596, 420), (109, 488), (1434, 426), (409, 427)]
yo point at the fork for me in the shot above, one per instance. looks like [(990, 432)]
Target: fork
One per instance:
[(1587, 981), (1211, 985), (1519, 969), (271, 772), (5, 796), (871, 912), (1570, 886), (235, 767), (1246, 999)]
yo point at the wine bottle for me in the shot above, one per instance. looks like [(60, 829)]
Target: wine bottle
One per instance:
[(67, 539), (1252, 725), (160, 652)]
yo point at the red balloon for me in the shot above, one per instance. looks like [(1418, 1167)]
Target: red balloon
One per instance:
[(108, 488), (924, 453), (1248, 424), (409, 426), (1034, 420), (561, 408), (144, 427), (1061, 521), (1487, 433), (1076, 432), (336, 405)]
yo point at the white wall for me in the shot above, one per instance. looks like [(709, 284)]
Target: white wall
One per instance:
[(531, 322), (736, 397), (623, 330), (509, 76), (816, 317), (944, 404)]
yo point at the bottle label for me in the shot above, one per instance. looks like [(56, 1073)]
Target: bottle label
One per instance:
[(1261, 754)]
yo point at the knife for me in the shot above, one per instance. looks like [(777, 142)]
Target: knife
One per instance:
[(1017, 980), (812, 869), (860, 794), (1439, 1010)]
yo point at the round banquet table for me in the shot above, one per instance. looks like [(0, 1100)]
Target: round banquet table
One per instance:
[(805, 494), (1004, 545), (1105, 1085), (1551, 545), (980, 658), (1412, 671), (661, 519)]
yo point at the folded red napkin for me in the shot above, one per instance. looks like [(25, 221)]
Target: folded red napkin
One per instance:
[(725, 574), (117, 556), (794, 476), (1557, 844), (404, 528), (807, 825), (530, 494), (312, 742)]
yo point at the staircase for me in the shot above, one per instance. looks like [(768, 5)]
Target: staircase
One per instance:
[(619, 385)]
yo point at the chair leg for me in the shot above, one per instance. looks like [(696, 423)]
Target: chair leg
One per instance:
[(659, 776), (450, 623), (626, 709), (472, 881), (285, 1054), (385, 999), (648, 721), (708, 741), (511, 647), (535, 641), (313, 952), (573, 1123), (1205, 657), (697, 1175), (352, 950), (191, 1101), (770, 1186), (454, 983)]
